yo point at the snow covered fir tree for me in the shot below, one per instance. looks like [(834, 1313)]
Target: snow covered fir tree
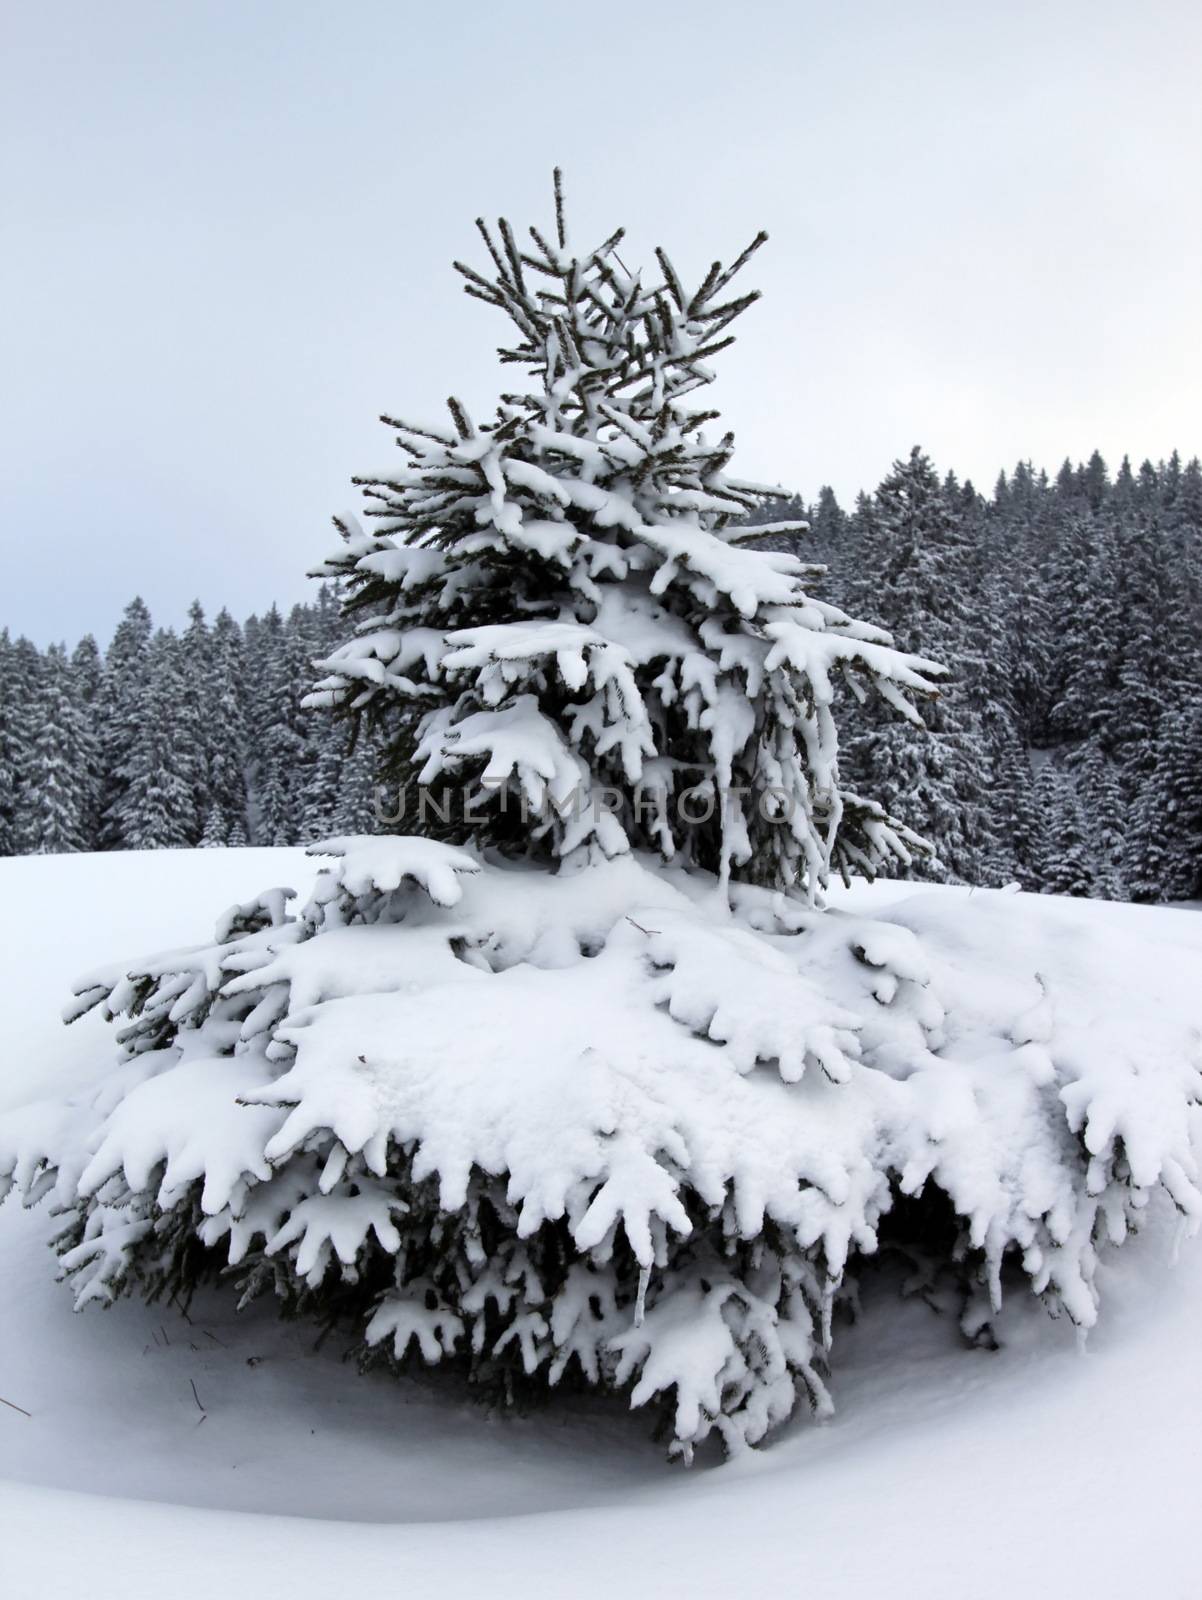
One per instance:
[(556, 608), (577, 1082)]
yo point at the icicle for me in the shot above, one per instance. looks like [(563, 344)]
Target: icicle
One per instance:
[(640, 1304), (334, 1168)]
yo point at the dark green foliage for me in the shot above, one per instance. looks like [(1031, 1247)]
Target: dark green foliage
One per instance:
[(60, 757), (1070, 613), (917, 571), (1065, 861), (168, 741), (124, 672), (12, 748)]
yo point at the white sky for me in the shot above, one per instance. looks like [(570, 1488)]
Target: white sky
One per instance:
[(226, 233)]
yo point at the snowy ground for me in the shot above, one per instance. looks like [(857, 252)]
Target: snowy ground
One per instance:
[(1037, 1469)]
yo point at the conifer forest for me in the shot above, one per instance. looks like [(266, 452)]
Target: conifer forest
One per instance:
[(1062, 755)]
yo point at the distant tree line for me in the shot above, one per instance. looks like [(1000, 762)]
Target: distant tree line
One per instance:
[(168, 740), (1065, 754)]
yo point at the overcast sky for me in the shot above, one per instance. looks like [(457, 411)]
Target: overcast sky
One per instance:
[(227, 234)]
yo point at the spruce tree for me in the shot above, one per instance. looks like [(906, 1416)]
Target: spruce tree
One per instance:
[(156, 796), (1099, 788), (916, 575), (828, 540), (216, 830), (288, 752), (1085, 630), (280, 653), (1010, 849), (556, 612), (124, 684), (1067, 866), (1149, 610), (59, 760), (87, 677), (11, 754), (198, 731), (1164, 854), (23, 717), (226, 791)]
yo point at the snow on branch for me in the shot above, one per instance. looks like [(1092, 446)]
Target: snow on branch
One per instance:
[(594, 508), (601, 1123)]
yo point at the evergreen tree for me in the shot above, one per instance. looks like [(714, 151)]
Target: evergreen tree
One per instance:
[(1066, 866), (87, 678), (1085, 631), (216, 831), (1148, 613), (1100, 790), (285, 650), (226, 792), (125, 670), (557, 612), (11, 754), (155, 807), (58, 757), (1094, 481), (1010, 850), (23, 714), (917, 576), (197, 731), (1165, 850), (827, 540)]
